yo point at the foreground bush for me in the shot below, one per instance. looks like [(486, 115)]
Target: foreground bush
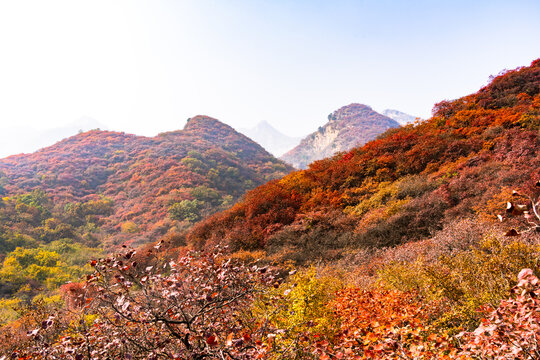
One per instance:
[(297, 314), (383, 324), (186, 309), (512, 331), (466, 279)]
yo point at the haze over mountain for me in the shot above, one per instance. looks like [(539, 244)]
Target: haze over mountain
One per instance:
[(273, 140), (144, 186), (399, 116), (347, 127), (17, 140)]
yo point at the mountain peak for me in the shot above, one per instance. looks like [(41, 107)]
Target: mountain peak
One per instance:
[(265, 125), (348, 127), (270, 138), (354, 107), (348, 111), (209, 128), (204, 121)]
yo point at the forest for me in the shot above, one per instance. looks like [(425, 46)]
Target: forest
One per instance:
[(421, 244), (98, 190)]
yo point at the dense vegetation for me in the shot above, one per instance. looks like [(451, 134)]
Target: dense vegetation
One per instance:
[(64, 203), (404, 186), (422, 244)]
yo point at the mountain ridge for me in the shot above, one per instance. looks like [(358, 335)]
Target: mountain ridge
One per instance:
[(145, 176), (349, 126)]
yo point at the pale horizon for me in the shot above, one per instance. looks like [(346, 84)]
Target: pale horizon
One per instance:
[(145, 67)]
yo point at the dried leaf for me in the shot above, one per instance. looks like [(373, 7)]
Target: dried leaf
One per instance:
[(512, 232)]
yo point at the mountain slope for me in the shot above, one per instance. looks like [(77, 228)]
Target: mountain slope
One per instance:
[(271, 139), (349, 126), (407, 185), (155, 184)]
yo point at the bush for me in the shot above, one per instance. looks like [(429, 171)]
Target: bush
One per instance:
[(512, 330), (296, 313), (465, 279)]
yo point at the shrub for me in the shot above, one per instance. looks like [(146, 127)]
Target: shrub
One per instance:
[(512, 330), (190, 308), (465, 279), (383, 324), (296, 313)]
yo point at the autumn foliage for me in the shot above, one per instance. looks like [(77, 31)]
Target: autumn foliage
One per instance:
[(422, 244), (189, 308), (207, 163), (382, 324), (513, 329), (404, 186)]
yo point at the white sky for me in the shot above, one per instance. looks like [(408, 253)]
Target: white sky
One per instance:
[(145, 66)]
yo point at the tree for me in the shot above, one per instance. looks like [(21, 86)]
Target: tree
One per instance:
[(185, 210)]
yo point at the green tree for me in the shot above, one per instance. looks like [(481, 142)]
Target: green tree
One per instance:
[(187, 210)]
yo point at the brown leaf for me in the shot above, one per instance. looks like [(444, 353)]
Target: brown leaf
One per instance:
[(512, 232)]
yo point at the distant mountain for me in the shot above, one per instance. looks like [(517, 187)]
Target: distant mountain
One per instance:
[(348, 127), (270, 138), (134, 188), (401, 117), (17, 140)]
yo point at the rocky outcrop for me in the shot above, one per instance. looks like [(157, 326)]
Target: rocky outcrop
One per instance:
[(348, 127)]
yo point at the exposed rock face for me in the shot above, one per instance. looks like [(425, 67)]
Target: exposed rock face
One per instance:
[(270, 138), (348, 127), (401, 117)]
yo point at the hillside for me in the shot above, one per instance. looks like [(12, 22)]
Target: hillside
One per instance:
[(407, 185), (348, 127), (422, 244), (89, 193), (151, 185), (270, 138)]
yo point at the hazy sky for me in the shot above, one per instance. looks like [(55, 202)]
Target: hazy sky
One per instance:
[(146, 66)]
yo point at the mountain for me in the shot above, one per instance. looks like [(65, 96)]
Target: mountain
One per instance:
[(403, 238), (349, 126), (409, 184), (401, 117), (114, 187), (17, 140), (271, 139)]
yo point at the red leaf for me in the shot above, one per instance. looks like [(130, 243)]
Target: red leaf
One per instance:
[(212, 340)]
